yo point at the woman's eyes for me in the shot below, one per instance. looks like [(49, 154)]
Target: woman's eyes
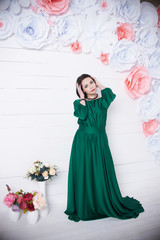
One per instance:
[(87, 85)]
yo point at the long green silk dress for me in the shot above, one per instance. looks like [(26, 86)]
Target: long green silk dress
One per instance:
[(93, 191)]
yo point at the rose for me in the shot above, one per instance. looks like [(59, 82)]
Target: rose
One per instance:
[(76, 47), (38, 201), (27, 197), (125, 30), (45, 174), (138, 82), (52, 171), (32, 31), (149, 128), (147, 9), (104, 58), (128, 10), (47, 164), (148, 108), (14, 6), (54, 7), (66, 30), (9, 199), (6, 25), (23, 205), (124, 55), (30, 207), (146, 37), (154, 63)]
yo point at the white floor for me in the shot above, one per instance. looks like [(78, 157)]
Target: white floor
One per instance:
[(56, 226)]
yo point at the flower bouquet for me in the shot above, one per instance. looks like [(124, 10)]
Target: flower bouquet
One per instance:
[(41, 172)]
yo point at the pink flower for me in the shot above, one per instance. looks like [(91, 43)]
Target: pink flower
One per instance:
[(149, 128), (9, 199), (1, 24), (39, 201), (125, 30), (104, 5), (54, 7), (158, 11), (138, 82), (76, 47), (23, 204), (104, 58), (52, 172)]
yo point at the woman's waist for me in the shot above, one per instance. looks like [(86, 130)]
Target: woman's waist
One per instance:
[(90, 129)]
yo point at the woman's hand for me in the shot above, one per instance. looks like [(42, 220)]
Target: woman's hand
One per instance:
[(98, 84), (81, 94)]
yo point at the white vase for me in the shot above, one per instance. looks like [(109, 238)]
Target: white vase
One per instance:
[(42, 188), (14, 216), (33, 217)]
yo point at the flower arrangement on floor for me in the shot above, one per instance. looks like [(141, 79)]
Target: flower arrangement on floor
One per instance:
[(40, 171), (25, 201)]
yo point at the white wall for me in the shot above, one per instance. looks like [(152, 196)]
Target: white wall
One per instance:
[(37, 90)]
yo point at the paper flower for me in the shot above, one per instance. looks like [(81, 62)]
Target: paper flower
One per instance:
[(98, 35), (158, 43), (32, 31), (148, 16), (66, 30), (54, 7), (109, 6), (124, 55), (150, 127), (14, 6), (6, 25), (128, 10), (104, 58), (158, 12), (146, 38), (138, 82), (79, 6), (125, 30), (156, 87), (154, 64), (148, 108), (76, 47), (153, 143), (157, 157)]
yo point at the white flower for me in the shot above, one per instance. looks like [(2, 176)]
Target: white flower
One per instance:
[(146, 38), (79, 6), (153, 143), (98, 34), (14, 6), (124, 55), (6, 25), (32, 170), (148, 107), (149, 15), (128, 10), (66, 30), (154, 64), (32, 31), (156, 87), (157, 157), (158, 35), (39, 201), (47, 164), (108, 6)]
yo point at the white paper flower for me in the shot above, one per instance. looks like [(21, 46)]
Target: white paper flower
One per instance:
[(79, 6), (108, 6), (128, 10), (157, 157), (153, 143), (149, 15), (154, 64), (32, 31), (124, 55), (98, 35), (14, 6), (146, 38), (66, 30), (156, 87), (158, 35), (6, 25), (148, 108)]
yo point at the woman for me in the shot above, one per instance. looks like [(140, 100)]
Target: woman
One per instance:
[(93, 191)]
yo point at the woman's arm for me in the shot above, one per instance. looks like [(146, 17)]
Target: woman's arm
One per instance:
[(82, 101)]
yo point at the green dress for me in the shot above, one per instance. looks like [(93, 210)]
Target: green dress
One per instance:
[(93, 190)]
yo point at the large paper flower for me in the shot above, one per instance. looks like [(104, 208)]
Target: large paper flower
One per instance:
[(149, 15), (6, 25), (154, 64), (156, 87), (66, 30), (128, 10), (158, 12), (124, 55), (32, 31), (125, 30), (146, 38), (150, 127), (138, 82), (148, 108), (54, 7), (153, 143), (79, 6), (98, 35), (14, 6), (109, 6)]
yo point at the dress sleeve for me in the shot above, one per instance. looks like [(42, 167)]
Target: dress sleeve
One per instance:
[(107, 97), (80, 110)]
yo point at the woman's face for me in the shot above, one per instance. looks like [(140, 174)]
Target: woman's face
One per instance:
[(89, 86)]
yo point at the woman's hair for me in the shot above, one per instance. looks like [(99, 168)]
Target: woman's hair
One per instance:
[(79, 81)]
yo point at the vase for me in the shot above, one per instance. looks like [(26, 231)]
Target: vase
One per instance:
[(14, 216), (33, 217), (42, 188)]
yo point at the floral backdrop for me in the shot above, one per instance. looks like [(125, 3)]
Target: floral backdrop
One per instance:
[(122, 33)]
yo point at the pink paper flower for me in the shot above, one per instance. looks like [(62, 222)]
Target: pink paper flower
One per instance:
[(125, 30), (104, 5), (104, 58), (76, 47), (158, 11), (9, 199), (149, 128), (138, 82), (54, 7)]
